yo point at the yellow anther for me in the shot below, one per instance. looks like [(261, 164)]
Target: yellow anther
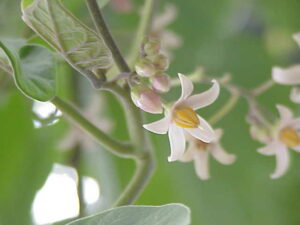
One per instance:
[(289, 137), (186, 117)]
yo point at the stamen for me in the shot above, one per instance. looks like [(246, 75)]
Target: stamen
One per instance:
[(289, 137), (186, 117)]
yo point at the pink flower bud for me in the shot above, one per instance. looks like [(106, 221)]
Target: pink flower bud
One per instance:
[(152, 47), (145, 68), (161, 82), (160, 61), (147, 100)]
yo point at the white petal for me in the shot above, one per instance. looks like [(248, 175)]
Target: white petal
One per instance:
[(296, 148), (295, 123), (295, 95), (177, 142), (269, 149), (186, 87), (205, 98), (282, 162), (287, 76), (204, 133), (220, 155), (219, 133), (285, 114), (296, 37), (202, 164), (189, 153), (159, 127)]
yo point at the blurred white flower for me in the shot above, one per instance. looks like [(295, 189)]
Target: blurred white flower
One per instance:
[(283, 137), (93, 113), (199, 152), (168, 38), (182, 117), (288, 76)]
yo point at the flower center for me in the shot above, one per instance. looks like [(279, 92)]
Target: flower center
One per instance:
[(289, 137), (186, 117), (201, 145)]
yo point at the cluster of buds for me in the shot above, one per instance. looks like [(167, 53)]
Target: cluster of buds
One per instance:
[(150, 68)]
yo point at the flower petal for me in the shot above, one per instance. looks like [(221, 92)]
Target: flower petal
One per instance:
[(205, 98), (219, 133), (295, 95), (296, 148), (204, 133), (159, 127), (201, 165), (287, 76), (177, 142), (220, 155), (282, 162), (285, 114), (296, 37), (269, 149), (186, 87), (189, 153)]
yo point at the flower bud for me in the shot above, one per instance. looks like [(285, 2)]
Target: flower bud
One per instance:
[(160, 61), (145, 68), (152, 47), (161, 82), (146, 99)]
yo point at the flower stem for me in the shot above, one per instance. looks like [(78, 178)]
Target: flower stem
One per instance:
[(114, 146), (263, 87), (105, 33), (143, 29), (228, 106), (144, 171)]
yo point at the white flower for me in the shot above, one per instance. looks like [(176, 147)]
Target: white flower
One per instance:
[(182, 117), (284, 136), (199, 151), (288, 76)]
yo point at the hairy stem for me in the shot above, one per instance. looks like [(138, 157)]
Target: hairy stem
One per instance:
[(143, 29), (144, 170), (105, 33), (228, 106), (114, 146), (263, 87)]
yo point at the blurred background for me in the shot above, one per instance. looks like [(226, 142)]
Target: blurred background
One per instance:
[(47, 166)]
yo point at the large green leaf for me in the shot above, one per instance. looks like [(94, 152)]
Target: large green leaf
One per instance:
[(33, 68), (80, 46), (171, 214)]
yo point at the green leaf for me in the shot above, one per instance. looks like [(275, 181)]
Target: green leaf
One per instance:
[(80, 46), (5, 67), (33, 69), (171, 214)]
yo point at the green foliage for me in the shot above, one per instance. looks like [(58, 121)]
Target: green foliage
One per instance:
[(33, 68), (171, 214), (80, 46), (26, 157)]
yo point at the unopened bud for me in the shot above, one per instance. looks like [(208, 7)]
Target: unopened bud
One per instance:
[(152, 47), (147, 100), (145, 68), (161, 82), (160, 61)]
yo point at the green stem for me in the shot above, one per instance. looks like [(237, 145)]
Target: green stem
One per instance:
[(105, 33), (228, 106), (143, 173), (263, 87), (118, 148), (143, 29)]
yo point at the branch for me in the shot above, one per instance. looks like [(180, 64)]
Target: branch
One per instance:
[(116, 147), (105, 33)]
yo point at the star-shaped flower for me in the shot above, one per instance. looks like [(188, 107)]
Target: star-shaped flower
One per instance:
[(283, 137), (199, 152), (181, 117)]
